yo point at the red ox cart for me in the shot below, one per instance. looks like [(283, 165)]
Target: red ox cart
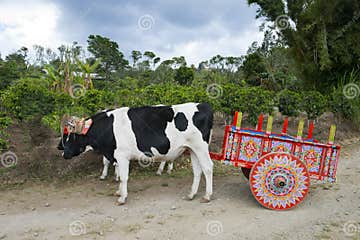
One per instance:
[(279, 167)]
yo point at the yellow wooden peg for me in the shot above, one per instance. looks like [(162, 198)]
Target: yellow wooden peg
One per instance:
[(239, 119), (300, 128), (332, 133), (269, 124)]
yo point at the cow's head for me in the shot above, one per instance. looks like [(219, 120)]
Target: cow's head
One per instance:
[(74, 138)]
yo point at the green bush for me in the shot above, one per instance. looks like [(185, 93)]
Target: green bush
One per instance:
[(313, 103), (4, 123), (53, 121), (251, 100), (167, 94), (345, 99), (28, 98), (63, 101), (289, 102), (96, 100), (348, 108)]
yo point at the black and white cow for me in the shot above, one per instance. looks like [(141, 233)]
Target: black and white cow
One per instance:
[(149, 133)]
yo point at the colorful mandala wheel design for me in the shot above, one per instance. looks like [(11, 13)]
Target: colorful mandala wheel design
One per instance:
[(279, 181)]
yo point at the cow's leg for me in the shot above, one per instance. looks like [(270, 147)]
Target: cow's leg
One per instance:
[(117, 174), (170, 167), (197, 175), (161, 168), (206, 164), (105, 169), (123, 168)]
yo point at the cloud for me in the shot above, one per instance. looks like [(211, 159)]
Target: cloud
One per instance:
[(197, 30), (28, 23), (203, 49)]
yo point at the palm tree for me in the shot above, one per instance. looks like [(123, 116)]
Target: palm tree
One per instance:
[(87, 70), (54, 77)]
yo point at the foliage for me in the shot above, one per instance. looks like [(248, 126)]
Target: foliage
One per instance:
[(289, 102), (265, 78), (324, 41), (313, 103), (251, 100), (254, 69), (95, 100), (4, 123), (112, 59), (184, 75), (13, 68), (53, 121), (347, 106), (28, 98)]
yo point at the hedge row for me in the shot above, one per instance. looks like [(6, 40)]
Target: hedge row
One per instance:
[(30, 98)]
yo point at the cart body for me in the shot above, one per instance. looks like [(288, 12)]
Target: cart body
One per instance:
[(254, 149)]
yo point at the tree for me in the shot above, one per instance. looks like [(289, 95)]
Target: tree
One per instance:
[(254, 69), (54, 77), (149, 55), (87, 69), (136, 56), (150, 60), (178, 62), (156, 61), (13, 68), (324, 39), (184, 75), (67, 63), (111, 58)]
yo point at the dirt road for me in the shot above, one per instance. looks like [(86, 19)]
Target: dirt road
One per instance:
[(156, 210)]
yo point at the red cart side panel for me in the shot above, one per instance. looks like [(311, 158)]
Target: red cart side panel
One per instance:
[(244, 147)]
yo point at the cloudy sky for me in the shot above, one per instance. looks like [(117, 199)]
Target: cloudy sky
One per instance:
[(196, 29)]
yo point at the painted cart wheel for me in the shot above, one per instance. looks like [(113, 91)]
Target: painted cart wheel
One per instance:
[(246, 172), (279, 181)]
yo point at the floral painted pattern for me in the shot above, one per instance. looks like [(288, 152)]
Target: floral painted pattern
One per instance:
[(312, 157), (280, 146), (279, 181), (250, 149)]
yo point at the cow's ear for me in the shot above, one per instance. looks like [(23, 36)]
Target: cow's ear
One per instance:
[(86, 126), (79, 125)]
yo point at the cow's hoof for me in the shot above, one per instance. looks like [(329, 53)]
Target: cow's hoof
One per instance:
[(190, 197), (117, 203), (158, 173), (116, 179), (102, 178), (121, 201), (204, 200), (168, 172)]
